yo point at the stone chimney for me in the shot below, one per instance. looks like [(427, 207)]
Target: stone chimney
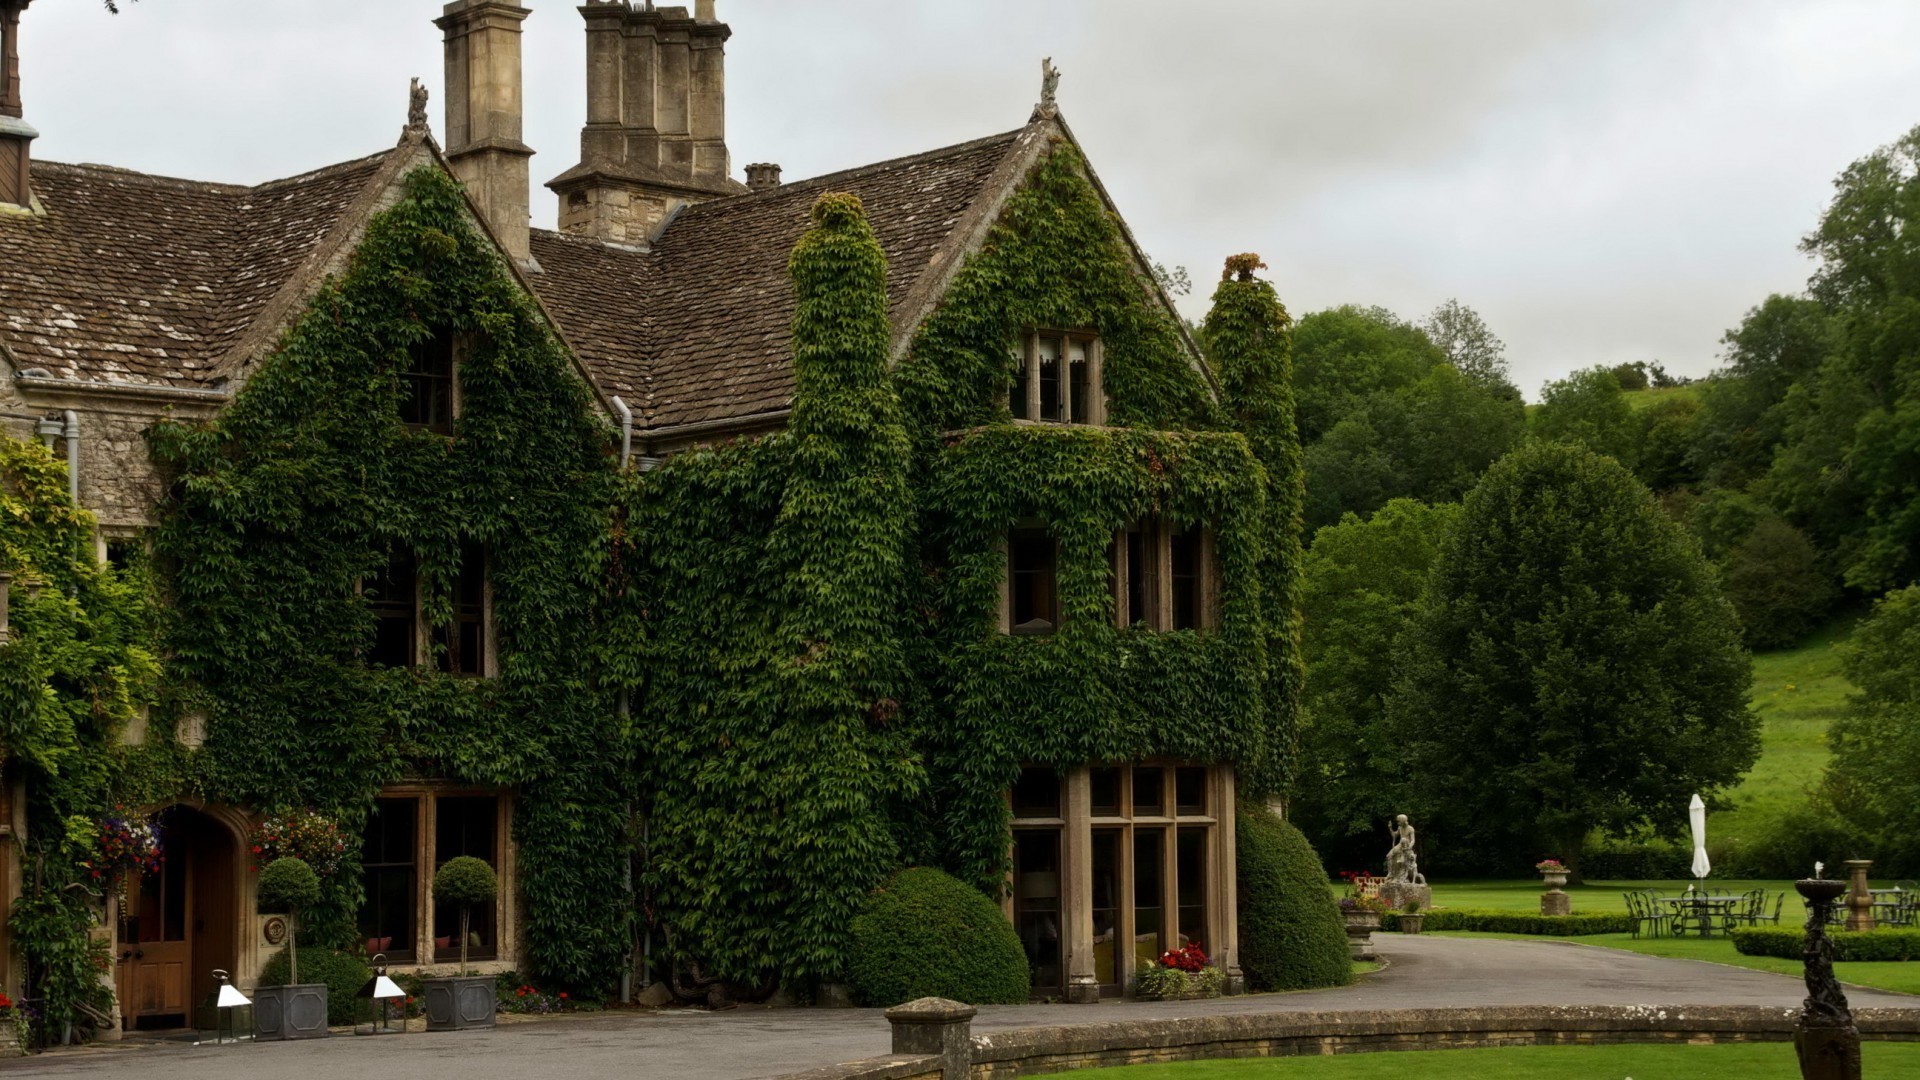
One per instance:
[(16, 135), (483, 114), (763, 177), (656, 131)]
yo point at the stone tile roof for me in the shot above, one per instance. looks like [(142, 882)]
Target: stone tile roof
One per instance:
[(131, 278), (697, 329)]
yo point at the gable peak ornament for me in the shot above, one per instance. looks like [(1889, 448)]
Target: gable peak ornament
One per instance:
[(1049, 91), (417, 107)]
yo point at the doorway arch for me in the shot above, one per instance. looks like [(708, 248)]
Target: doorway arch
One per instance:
[(176, 926)]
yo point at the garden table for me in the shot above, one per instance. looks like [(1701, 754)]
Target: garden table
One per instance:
[(1702, 912)]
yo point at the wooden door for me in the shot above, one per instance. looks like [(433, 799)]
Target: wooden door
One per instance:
[(156, 941)]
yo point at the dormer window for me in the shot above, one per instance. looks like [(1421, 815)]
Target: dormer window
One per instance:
[(1058, 379), (426, 386)]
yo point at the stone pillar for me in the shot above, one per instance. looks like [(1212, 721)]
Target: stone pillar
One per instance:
[(1859, 899), (1076, 889), (483, 93), (936, 1026), (1226, 947)]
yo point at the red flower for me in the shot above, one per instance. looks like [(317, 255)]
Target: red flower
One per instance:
[(563, 995)]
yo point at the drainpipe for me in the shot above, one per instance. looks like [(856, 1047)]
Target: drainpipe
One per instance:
[(626, 431), (72, 433)]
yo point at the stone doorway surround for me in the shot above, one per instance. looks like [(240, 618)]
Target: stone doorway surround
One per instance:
[(1102, 961)]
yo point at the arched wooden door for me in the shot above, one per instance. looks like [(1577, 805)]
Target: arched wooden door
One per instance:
[(179, 924)]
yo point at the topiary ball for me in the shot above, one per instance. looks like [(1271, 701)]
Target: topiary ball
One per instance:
[(465, 880), (928, 934), (1291, 935), (287, 884)]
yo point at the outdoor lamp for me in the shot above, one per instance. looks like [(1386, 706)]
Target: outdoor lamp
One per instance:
[(382, 991), (226, 999)]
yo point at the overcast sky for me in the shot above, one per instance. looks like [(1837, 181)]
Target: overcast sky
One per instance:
[(1604, 182)]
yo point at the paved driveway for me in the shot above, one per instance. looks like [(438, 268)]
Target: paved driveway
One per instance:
[(1423, 972)]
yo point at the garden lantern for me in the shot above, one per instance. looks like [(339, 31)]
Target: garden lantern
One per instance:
[(382, 991), (226, 999)]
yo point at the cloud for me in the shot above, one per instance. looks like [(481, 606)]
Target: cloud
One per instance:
[(1604, 181)]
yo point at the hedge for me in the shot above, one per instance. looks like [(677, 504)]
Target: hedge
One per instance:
[(1848, 945), (343, 973), (1291, 935), (1657, 861), (929, 934), (1518, 922)]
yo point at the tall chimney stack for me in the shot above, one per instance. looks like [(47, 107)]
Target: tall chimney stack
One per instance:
[(656, 131), (483, 114), (16, 135)]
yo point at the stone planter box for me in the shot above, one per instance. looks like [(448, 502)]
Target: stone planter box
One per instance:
[(1411, 923), (1188, 986), (459, 1002), (290, 1012), (1360, 928)]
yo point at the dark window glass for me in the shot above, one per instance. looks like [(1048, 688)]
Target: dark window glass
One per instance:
[(1139, 574), (1031, 592), (1184, 553), (1036, 906), (463, 643), (426, 386), (1191, 857), (390, 596), (1149, 846), (1036, 794), (387, 869), (1077, 381), (124, 551), (465, 826), (1017, 397), (1050, 400), (1106, 906), (1190, 790), (1149, 791), (1106, 792)]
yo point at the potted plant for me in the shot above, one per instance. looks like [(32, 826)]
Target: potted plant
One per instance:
[(1554, 873), (465, 1000), (297, 1010), (1181, 975), (1361, 909), (1412, 919)]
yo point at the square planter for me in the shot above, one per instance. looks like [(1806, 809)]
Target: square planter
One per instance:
[(290, 1012), (459, 1002)]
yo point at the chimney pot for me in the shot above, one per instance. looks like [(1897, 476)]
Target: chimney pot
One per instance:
[(16, 135), (763, 176), (483, 100), (703, 11)]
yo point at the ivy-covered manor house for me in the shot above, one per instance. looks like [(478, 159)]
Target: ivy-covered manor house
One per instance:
[(696, 565)]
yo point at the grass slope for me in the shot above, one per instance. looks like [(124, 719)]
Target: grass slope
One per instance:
[(1796, 692), (1647, 399), (1749, 1061)]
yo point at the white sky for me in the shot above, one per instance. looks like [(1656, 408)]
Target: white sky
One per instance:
[(1603, 181)]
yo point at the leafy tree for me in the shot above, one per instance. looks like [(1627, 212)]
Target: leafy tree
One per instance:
[(1874, 779), (1470, 346), (1780, 343), (1344, 355), (1774, 579), (1588, 409), (1666, 436), (1631, 376), (1574, 668), (1364, 582)]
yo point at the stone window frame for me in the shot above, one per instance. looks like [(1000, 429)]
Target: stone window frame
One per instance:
[(427, 795), (1023, 397), (423, 635), (459, 346), (1075, 826), (1156, 544)]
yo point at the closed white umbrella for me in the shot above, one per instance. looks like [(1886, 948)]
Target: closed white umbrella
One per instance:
[(1697, 816)]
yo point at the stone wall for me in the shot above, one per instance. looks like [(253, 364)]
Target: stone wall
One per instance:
[(1000, 1054)]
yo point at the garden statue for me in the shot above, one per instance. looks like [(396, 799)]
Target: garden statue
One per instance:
[(1825, 1036), (1403, 865)]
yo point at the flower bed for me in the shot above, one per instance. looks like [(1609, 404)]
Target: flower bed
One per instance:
[(1182, 974), (1848, 945)]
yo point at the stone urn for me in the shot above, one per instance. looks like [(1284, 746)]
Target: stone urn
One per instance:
[(1411, 922), (1361, 923), (1554, 901)]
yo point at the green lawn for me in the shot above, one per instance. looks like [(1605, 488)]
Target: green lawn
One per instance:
[(1594, 895), (1646, 399), (1750, 1061), (1796, 692)]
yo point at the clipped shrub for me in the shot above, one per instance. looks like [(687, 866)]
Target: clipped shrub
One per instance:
[(287, 885), (928, 934), (343, 973), (465, 881), (1848, 945), (1291, 936), (1656, 860), (1519, 922)]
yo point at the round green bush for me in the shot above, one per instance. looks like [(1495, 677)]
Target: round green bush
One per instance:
[(928, 934), (343, 973), (1291, 934), (288, 885), (465, 880)]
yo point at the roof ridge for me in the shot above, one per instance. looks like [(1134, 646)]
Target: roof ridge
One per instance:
[(323, 171), (178, 183), (863, 170)]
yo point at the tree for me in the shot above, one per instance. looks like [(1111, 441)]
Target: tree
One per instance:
[(1470, 346), (289, 885), (1574, 667), (1363, 589), (1874, 779), (1249, 344), (465, 881), (1741, 426), (1665, 441), (1631, 376), (1344, 355), (1587, 409), (1774, 579)]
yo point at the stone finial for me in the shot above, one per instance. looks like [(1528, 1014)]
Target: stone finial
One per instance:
[(1049, 82), (763, 176), (417, 107)]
